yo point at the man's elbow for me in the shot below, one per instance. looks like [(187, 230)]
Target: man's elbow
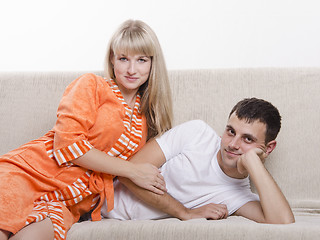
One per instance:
[(280, 220), (287, 220)]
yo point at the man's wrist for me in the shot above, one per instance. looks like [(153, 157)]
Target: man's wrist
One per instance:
[(253, 166), (184, 213)]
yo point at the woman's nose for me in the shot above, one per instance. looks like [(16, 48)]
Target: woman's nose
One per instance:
[(131, 68)]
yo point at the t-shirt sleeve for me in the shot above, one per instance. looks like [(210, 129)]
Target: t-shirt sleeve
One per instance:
[(249, 197), (183, 136), (75, 116), (238, 197)]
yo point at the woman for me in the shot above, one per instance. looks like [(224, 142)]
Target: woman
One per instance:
[(48, 183)]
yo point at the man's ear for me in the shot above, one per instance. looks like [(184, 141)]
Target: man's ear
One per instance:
[(271, 146)]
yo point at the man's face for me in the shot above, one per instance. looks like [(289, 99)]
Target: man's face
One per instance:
[(238, 138)]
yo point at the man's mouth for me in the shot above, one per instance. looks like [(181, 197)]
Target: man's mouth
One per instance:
[(231, 153)]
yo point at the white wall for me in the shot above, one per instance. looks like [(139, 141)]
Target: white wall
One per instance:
[(44, 35)]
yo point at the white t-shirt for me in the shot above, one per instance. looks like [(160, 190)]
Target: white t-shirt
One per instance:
[(192, 175)]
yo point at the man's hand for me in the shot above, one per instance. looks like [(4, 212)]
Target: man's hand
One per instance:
[(209, 211), (252, 155)]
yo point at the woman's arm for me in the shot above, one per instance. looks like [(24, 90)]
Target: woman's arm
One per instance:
[(144, 175)]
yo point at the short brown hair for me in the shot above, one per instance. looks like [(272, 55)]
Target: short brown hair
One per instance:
[(253, 109)]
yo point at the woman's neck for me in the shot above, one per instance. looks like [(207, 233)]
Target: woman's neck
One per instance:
[(129, 97), (130, 100)]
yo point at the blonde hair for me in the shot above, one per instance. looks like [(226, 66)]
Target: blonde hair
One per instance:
[(136, 37)]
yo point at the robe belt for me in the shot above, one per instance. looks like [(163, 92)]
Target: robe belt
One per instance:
[(102, 184)]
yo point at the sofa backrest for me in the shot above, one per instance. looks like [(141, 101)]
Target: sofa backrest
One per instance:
[(28, 104)]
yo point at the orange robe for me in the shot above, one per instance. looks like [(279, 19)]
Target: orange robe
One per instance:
[(38, 179)]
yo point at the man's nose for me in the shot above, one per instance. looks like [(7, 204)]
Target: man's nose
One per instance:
[(235, 143)]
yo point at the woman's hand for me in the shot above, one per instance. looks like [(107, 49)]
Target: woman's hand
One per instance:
[(147, 176)]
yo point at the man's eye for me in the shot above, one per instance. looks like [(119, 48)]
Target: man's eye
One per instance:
[(248, 140), (230, 132)]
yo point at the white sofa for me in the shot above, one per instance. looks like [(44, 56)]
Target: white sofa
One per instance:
[(28, 102)]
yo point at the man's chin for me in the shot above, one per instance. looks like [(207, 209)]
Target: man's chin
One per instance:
[(232, 157), (231, 162)]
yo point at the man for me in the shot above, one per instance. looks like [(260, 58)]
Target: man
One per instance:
[(207, 176)]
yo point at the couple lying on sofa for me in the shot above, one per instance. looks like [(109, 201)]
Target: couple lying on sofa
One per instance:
[(207, 176)]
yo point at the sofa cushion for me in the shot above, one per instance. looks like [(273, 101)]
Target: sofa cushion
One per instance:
[(239, 228)]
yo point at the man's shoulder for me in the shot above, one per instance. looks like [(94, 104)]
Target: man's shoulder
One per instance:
[(196, 133), (196, 125)]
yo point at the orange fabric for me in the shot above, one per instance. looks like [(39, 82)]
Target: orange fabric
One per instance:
[(59, 215), (89, 115)]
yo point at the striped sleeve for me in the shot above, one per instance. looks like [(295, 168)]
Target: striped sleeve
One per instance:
[(76, 115), (72, 151)]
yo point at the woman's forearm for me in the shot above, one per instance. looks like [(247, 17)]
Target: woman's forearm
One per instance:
[(101, 162), (144, 175)]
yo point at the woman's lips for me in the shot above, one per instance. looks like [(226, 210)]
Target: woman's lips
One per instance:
[(131, 79)]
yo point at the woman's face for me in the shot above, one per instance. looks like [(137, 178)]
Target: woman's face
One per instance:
[(131, 71)]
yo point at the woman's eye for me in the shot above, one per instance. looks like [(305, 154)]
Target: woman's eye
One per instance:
[(142, 60), (123, 59)]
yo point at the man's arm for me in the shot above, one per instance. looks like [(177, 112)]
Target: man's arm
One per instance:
[(273, 206), (152, 153)]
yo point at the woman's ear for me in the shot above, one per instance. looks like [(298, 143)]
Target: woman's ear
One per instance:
[(271, 146)]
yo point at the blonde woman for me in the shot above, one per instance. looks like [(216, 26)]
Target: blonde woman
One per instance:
[(48, 183)]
